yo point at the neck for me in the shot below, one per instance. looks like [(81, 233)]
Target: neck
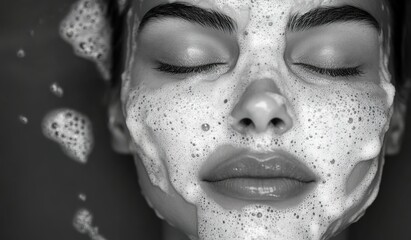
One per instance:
[(170, 233)]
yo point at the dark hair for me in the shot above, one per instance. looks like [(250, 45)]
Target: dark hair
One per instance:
[(398, 40), (117, 18)]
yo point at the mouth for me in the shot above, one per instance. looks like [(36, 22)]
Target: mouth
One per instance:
[(272, 177)]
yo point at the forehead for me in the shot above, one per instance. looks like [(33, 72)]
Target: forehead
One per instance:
[(377, 8)]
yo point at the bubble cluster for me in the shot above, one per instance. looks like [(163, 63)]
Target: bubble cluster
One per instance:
[(71, 130), (83, 223), (336, 126), (56, 89), (88, 30)]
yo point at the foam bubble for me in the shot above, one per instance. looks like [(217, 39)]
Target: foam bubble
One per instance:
[(88, 30), (23, 119), (71, 130), (82, 197), (56, 89), (21, 53), (83, 223)]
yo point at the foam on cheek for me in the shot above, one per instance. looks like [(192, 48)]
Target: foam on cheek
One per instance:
[(88, 30), (336, 126), (72, 131), (146, 146)]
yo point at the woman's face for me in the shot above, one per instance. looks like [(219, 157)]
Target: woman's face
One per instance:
[(258, 119)]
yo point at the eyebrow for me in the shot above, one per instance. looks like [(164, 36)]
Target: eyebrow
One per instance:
[(190, 13), (328, 15)]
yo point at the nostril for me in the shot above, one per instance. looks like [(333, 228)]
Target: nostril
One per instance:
[(245, 122), (278, 123)]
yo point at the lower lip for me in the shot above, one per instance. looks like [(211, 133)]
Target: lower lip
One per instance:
[(258, 189)]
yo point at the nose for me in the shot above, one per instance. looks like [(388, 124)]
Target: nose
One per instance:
[(260, 108)]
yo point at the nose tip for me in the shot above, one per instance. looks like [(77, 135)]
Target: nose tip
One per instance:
[(261, 108)]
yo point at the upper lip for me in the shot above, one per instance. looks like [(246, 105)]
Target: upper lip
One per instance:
[(228, 162)]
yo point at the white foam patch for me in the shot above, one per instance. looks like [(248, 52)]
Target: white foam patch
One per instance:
[(72, 131), (87, 29), (336, 126), (83, 223)]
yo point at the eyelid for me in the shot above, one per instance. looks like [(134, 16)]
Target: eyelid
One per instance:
[(333, 72), (174, 69)]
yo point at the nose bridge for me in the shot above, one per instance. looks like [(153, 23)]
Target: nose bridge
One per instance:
[(267, 69), (261, 108)]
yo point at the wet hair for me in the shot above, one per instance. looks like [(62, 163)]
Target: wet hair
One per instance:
[(117, 18), (398, 7)]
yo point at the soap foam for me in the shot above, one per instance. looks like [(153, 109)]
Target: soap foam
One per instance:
[(83, 223), (170, 121), (72, 131), (87, 29)]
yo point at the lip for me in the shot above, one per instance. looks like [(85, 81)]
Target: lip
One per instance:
[(245, 176)]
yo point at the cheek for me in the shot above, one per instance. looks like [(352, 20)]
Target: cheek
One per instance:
[(175, 128), (344, 120), (339, 130)]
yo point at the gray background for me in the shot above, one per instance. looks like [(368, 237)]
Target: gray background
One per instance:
[(39, 185)]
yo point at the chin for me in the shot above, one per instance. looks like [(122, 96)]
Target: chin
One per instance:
[(222, 216)]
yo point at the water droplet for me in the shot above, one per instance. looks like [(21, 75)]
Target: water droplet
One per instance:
[(205, 127), (23, 119), (350, 120), (259, 215), (57, 90), (21, 53)]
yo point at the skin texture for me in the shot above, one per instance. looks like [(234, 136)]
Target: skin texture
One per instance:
[(335, 126)]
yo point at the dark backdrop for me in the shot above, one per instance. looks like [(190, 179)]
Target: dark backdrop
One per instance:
[(39, 185)]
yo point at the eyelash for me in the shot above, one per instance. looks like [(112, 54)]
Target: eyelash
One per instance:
[(334, 72), (164, 67)]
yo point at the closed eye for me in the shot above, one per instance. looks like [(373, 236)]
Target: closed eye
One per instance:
[(333, 72), (167, 68)]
